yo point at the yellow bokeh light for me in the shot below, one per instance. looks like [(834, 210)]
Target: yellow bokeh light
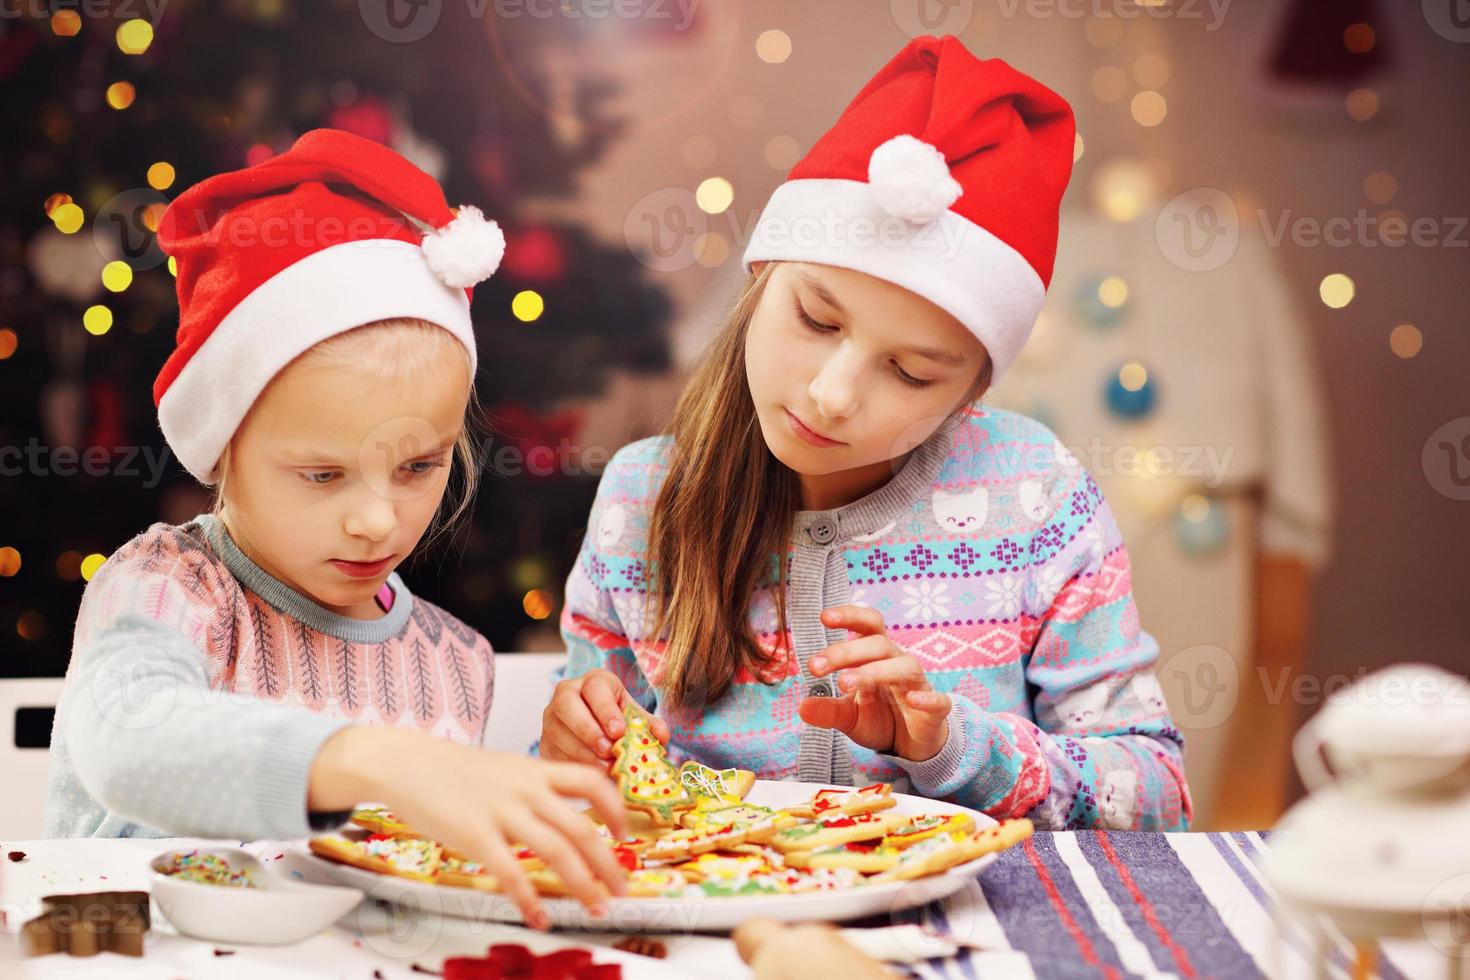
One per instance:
[(134, 36), (1113, 291), (68, 218), (97, 320), (537, 603), (1337, 290), (161, 176), (782, 152), (1406, 341), (55, 201), (1078, 148), (66, 23), (8, 343), (90, 564), (1151, 70), (173, 266), (1195, 508), (117, 276), (715, 195), (153, 216), (773, 46), (9, 562), (1133, 376), (120, 95), (527, 305), (1149, 108)]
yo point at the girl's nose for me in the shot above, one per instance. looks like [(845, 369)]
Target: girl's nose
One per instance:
[(372, 517), (835, 388)]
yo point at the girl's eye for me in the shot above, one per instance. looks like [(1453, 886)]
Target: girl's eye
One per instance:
[(320, 478), (806, 318), (421, 466), (909, 379)]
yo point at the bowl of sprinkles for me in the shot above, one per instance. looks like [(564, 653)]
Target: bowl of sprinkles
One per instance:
[(227, 895)]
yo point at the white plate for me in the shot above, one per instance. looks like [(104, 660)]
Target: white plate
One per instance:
[(680, 915)]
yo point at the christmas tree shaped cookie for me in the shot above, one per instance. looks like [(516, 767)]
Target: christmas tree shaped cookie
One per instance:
[(648, 782)]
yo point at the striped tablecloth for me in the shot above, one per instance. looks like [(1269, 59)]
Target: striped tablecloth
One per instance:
[(1100, 904)]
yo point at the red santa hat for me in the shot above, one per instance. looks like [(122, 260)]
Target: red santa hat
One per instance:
[(944, 175), (335, 233)]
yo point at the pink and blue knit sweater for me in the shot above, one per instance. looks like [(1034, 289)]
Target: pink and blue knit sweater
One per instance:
[(996, 562)]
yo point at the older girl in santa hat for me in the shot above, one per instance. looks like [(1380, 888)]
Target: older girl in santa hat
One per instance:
[(259, 670), (840, 566)]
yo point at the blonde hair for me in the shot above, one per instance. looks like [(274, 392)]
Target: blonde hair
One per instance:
[(719, 527), (404, 345)]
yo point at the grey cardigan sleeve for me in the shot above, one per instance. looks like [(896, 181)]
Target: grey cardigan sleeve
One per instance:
[(150, 740)]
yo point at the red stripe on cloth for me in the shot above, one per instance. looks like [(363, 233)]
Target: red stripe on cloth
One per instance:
[(1181, 958), (1088, 952)]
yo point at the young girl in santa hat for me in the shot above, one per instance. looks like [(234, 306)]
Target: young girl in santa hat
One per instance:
[(259, 670), (839, 566)]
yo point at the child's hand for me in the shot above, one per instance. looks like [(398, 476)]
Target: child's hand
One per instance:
[(585, 718), (805, 952), (886, 702), (479, 802)]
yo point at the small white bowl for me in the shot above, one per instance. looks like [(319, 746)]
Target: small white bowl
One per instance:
[(277, 911)]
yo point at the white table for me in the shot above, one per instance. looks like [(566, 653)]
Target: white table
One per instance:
[(370, 938)]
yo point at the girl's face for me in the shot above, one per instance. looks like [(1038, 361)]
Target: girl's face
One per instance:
[(338, 470), (849, 373)]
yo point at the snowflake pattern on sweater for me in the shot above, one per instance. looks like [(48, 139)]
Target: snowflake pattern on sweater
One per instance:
[(1007, 580)]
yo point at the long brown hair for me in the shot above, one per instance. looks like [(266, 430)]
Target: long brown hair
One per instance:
[(720, 522), (718, 532)]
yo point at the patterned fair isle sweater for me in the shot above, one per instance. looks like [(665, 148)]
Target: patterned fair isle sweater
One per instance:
[(996, 563), (201, 687)]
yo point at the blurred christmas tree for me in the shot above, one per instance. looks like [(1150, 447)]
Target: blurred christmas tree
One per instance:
[(106, 118)]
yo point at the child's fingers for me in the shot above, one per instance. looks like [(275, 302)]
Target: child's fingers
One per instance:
[(566, 747), (858, 619), (594, 850), (594, 787), (569, 711), (559, 853), (753, 934), (838, 713), (852, 653), (495, 854), (897, 674), (605, 696), (929, 702)]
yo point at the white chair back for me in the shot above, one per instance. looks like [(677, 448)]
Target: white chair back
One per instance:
[(23, 771), (522, 690)]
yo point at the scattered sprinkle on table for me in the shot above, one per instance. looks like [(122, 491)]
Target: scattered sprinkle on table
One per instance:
[(17, 856)]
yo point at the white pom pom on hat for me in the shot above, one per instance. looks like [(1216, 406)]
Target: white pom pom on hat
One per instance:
[(465, 251), (910, 179)]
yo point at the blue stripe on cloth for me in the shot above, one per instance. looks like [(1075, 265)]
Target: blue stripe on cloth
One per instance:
[(939, 922), (1182, 909), (1385, 969), (1031, 923)]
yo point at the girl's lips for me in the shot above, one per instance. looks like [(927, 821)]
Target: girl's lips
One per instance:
[(363, 569), (807, 434)]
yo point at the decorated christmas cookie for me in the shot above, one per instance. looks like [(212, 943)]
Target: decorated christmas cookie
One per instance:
[(865, 857), (655, 882), (922, 828), (715, 787), (867, 799), (760, 823), (408, 857), (648, 782), (835, 829)]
